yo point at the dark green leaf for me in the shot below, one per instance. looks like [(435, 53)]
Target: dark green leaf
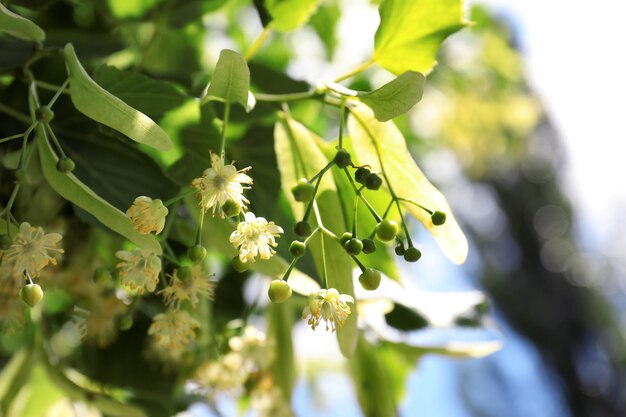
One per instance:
[(396, 97)]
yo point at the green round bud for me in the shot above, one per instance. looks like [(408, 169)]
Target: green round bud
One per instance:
[(65, 165), (438, 218), (31, 294), (303, 190), (386, 230), (369, 279), (196, 253), (412, 254), (230, 208), (297, 249), (102, 276), (361, 174), (20, 176), (184, 273), (342, 158), (400, 249), (302, 229), (345, 237), (126, 322), (353, 246), (373, 181), (44, 114), (369, 246), (279, 291), (238, 265)]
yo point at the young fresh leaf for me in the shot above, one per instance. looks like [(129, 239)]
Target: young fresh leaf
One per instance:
[(148, 95), (73, 190), (103, 107), (411, 31), (299, 156), (373, 140), (396, 97), (19, 27), (289, 15), (231, 80)]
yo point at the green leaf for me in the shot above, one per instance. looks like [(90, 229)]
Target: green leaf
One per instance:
[(19, 27), (13, 376), (396, 97), (298, 155), (103, 107), (150, 96), (281, 320), (325, 23), (73, 190), (372, 381), (288, 15), (411, 31), (373, 139), (231, 80)]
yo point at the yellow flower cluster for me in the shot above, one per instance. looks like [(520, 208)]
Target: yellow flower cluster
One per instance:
[(327, 305), (188, 289)]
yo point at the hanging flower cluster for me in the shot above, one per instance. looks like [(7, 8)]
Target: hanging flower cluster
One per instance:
[(173, 331), (139, 270), (188, 284), (32, 250), (254, 237), (147, 215), (327, 305)]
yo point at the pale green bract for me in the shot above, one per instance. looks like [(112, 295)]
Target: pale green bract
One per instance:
[(411, 31), (72, 189), (19, 27), (396, 97), (103, 107), (296, 148), (373, 139), (288, 15), (231, 81)]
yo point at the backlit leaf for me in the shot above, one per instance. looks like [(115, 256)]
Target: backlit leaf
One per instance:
[(396, 97), (411, 32), (372, 139), (289, 15), (19, 27), (231, 80)]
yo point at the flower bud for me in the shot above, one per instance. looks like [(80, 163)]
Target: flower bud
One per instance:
[(361, 174), (412, 254), (238, 265), (303, 190), (386, 230), (373, 181), (196, 253), (438, 218), (279, 291), (342, 158), (369, 279), (231, 208), (65, 165), (44, 114), (31, 294), (297, 249), (302, 229), (345, 237), (353, 246), (369, 246), (399, 249)]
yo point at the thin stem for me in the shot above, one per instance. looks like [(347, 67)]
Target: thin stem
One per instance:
[(17, 115), (324, 270), (7, 208), (427, 210), (280, 98), (312, 202), (354, 214), (388, 208), (322, 171), (58, 93), (178, 198), (293, 263), (225, 123), (356, 70), (48, 129), (359, 263), (342, 113), (258, 42), (8, 138), (362, 197), (404, 226), (169, 223), (200, 225), (51, 87)]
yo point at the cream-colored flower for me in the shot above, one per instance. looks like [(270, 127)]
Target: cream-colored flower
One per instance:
[(255, 236), (254, 346), (32, 250), (139, 270), (191, 289), (270, 402), (173, 331), (226, 374), (147, 215), (328, 305), (221, 183)]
